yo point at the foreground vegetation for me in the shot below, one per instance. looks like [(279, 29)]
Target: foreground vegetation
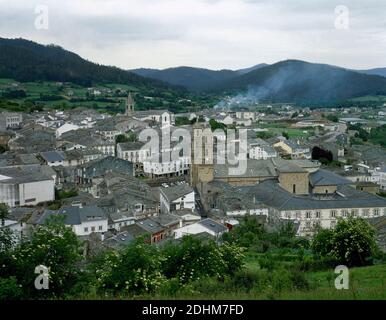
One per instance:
[(247, 263)]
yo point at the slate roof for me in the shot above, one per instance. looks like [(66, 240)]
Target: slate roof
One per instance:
[(288, 167), (75, 215), (255, 168), (166, 220), (121, 239), (52, 156), (101, 166), (213, 225), (17, 159), (135, 230), (233, 198), (174, 192), (150, 226), (273, 195), (25, 174), (327, 178), (126, 146)]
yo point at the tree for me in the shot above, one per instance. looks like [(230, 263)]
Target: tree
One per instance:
[(54, 246), (121, 138), (285, 135), (321, 243), (3, 213), (294, 115), (214, 125), (322, 155), (351, 242), (181, 121), (130, 137), (264, 135), (249, 232), (332, 118)]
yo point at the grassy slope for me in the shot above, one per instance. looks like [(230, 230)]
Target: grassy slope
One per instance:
[(366, 283)]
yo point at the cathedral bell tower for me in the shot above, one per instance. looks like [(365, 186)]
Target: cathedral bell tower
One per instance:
[(201, 170)]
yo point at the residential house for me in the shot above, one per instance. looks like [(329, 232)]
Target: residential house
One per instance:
[(82, 220), (177, 197), (292, 148), (52, 158)]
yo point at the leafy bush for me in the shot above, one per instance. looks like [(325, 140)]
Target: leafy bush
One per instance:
[(193, 259), (10, 289), (133, 270)]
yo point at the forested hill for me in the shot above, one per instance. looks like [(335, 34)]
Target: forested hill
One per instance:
[(25, 60)]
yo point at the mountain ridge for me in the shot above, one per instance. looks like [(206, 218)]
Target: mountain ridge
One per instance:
[(287, 80), (25, 60)]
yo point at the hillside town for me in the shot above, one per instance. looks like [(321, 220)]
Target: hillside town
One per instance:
[(110, 187)]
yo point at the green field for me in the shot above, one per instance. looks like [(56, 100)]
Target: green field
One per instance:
[(370, 98), (280, 127), (111, 98)]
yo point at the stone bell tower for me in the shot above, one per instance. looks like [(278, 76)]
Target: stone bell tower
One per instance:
[(129, 105), (201, 167)]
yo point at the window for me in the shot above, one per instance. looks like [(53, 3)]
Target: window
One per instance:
[(298, 215), (376, 212), (333, 213), (92, 229), (344, 213), (308, 214), (100, 228), (294, 188), (333, 224), (308, 225), (317, 214), (86, 229), (366, 212)]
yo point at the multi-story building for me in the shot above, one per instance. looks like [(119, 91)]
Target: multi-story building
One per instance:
[(328, 199), (257, 151), (156, 167), (10, 120), (26, 186), (132, 151)]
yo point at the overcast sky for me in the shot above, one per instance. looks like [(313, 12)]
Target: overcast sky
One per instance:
[(212, 34)]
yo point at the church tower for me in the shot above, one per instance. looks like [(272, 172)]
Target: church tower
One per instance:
[(201, 170), (129, 105)]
